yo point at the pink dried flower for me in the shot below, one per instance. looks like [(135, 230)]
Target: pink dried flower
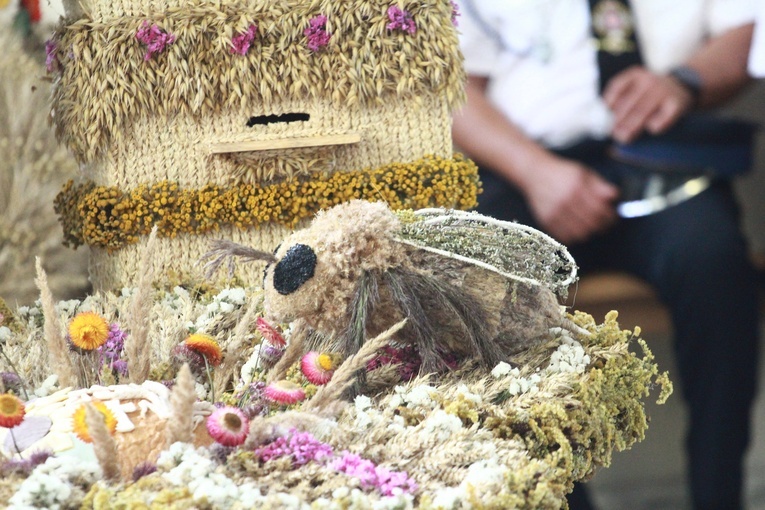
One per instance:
[(317, 368), (270, 333), (241, 42), (228, 426), (154, 38), (317, 33), (455, 13), (302, 447), (51, 58), (407, 358), (401, 20), (389, 483), (284, 392)]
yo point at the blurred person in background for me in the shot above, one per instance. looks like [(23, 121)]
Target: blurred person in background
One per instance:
[(583, 117)]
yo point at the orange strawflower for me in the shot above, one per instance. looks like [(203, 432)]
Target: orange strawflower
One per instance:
[(88, 330), (206, 346), (81, 428), (12, 410)]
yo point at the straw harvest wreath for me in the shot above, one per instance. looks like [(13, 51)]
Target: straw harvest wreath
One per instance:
[(486, 395)]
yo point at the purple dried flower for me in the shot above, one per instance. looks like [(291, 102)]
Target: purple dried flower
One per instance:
[(121, 367), (51, 58), (111, 350), (270, 354), (317, 33), (221, 452), (181, 354), (255, 410), (241, 42), (11, 381), (455, 13), (25, 466), (389, 483), (401, 20), (301, 446), (154, 38), (143, 469)]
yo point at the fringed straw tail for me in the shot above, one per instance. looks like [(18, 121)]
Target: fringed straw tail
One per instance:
[(58, 352), (138, 344), (180, 426), (103, 443)]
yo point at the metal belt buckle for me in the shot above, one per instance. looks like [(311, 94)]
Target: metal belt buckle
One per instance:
[(661, 191)]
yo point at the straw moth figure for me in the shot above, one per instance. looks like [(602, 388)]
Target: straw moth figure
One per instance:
[(468, 285)]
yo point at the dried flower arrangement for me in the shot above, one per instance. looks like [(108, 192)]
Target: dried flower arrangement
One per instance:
[(239, 412)]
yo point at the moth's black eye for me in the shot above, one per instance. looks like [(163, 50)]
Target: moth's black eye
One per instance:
[(294, 269)]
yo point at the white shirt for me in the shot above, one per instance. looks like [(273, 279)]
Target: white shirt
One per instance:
[(757, 55), (541, 61)]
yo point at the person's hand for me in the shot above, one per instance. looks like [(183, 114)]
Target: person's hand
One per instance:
[(569, 200), (643, 101)]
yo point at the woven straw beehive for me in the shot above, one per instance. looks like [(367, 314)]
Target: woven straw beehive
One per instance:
[(240, 119)]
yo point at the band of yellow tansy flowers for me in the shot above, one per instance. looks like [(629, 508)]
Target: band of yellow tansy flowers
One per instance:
[(111, 218)]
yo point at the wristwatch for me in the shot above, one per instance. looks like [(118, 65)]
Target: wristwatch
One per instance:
[(690, 79)]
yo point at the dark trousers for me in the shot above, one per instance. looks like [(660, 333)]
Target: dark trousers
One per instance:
[(695, 256)]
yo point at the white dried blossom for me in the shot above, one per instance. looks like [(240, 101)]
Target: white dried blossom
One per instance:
[(397, 425), (416, 396), (51, 484), (487, 475), (439, 425), (468, 395), (47, 387), (501, 370), (569, 357), (448, 498), (5, 333), (41, 491), (520, 385), (251, 366)]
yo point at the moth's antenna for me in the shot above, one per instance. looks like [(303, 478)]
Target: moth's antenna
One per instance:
[(223, 250)]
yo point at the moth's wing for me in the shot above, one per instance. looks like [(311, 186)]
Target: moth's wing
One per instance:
[(510, 249)]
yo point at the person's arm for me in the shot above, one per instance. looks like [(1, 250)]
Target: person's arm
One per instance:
[(645, 101), (569, 201)]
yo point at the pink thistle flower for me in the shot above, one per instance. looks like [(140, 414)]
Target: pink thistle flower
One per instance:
[(317, 368), (284, 392), (271, 334), (228, 426), (401, 20), (154, 38), (317, 33), (241, 42)]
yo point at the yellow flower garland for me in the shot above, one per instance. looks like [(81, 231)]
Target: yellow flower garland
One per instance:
[(108, 217)]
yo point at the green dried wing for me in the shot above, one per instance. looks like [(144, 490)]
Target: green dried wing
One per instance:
[(510, 249)]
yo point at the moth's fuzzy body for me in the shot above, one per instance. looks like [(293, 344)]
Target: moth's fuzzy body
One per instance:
[(366, 275)]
